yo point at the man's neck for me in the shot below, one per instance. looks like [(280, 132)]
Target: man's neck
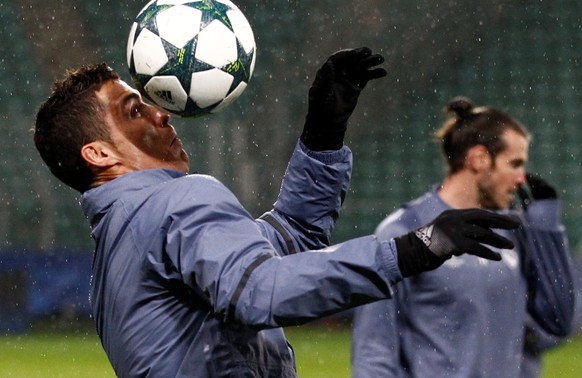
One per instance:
[(460, 191)]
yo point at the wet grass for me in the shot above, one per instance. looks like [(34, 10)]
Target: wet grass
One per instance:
[(53, 355), (322, 351)]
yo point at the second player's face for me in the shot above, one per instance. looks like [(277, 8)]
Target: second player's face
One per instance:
[(499, 184), (141, 133)]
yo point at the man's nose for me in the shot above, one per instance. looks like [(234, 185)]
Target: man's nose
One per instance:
[(160, 117), (522, 180)]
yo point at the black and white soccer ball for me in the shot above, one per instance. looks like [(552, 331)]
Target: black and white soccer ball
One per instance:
[(191, 57)]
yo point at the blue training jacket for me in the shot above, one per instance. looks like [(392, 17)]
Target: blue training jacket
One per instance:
[(187, 284), (467, 318)]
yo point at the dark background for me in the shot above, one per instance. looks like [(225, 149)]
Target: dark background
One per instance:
[(520, 56)]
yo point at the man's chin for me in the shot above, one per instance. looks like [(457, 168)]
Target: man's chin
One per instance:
[(497, 206)]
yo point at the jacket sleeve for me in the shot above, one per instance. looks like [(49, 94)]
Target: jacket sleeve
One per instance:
[(220, 255), (295, 289), (548, 268), (312, 192)]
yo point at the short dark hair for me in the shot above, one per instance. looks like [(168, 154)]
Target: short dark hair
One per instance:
[(466, 126), (70, 118)]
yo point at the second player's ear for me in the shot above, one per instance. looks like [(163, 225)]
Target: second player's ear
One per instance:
[(478, 158), (99, 154)]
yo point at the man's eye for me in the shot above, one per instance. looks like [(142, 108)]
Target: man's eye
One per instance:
[(517, 164)]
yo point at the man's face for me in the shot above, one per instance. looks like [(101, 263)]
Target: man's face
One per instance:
[(500, 182), (141, 134)]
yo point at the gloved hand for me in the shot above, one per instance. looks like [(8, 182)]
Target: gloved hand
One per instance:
[(453, 232), (535, 189), (334, 94)]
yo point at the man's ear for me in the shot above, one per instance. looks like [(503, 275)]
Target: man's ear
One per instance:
[(99, 154), (478, 158)]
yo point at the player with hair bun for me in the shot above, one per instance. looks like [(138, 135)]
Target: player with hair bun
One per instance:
[(468, 318)]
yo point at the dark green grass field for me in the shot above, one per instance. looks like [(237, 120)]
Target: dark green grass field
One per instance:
[(322, 351)]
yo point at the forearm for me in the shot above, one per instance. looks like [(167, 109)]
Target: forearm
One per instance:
[(308, 205), (296, 289)]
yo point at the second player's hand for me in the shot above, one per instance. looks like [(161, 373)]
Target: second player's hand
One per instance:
[(536, 188)]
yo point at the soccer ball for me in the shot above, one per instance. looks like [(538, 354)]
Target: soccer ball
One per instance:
[(191, 57)]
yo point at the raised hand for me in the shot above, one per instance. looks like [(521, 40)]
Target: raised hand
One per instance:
[(334, 94)]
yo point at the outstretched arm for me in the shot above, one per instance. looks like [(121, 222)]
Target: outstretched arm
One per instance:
[(221, 256)]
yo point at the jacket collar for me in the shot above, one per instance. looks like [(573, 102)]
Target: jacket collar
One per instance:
[(97, 200)]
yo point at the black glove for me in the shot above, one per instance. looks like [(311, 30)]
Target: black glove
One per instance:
[(334, 94), (535, 189), (453, 232)]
